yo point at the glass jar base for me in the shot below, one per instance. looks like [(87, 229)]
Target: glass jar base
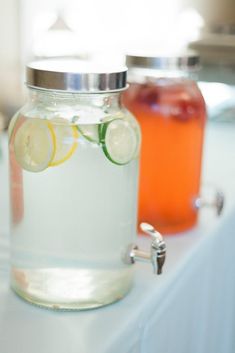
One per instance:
[(54, 292), (65, 306)]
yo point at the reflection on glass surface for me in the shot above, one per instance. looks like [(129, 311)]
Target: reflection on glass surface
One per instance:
[(220, 100)]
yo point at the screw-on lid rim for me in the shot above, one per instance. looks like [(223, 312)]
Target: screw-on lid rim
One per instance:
[(187, 61), (74, 76)]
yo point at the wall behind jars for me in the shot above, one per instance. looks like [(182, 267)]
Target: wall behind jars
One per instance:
[(214, 11), (9, 56), (30, 29)]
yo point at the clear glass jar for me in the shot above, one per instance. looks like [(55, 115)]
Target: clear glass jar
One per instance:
[(73, 176), (171, 111)]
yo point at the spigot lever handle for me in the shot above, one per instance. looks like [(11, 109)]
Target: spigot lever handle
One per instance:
[(150, 230), (158, 247), (156, 255)]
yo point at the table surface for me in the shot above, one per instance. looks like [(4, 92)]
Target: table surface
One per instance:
[(128, 325)]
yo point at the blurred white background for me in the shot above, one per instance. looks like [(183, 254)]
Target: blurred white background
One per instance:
[(30, 29)]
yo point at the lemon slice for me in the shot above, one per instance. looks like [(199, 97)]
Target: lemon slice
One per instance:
[(66, 140), (12, 125), (34, 144)]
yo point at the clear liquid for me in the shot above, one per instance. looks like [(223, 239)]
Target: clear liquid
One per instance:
[(72, 224)]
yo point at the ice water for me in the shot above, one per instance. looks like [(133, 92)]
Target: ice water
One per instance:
[(71, 225)]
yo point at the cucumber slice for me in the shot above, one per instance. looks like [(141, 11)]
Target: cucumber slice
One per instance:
[(136, 127), (119, 141), (90, 132)]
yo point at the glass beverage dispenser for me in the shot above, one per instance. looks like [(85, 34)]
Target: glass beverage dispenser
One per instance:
[(171, 111), (74, 169)]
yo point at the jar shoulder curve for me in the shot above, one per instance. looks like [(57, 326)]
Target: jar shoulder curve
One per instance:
[(132, 120), (171, 97), (130, 117), (84, 108)]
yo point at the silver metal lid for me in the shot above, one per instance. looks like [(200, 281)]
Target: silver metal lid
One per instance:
[(187, 61), (75, 76)]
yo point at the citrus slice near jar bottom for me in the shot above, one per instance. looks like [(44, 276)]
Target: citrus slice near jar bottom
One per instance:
[(119, 141), (34, 145), (66, 137)]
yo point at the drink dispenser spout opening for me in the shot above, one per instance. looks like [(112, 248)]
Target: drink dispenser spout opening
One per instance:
[(156, 255), (216, 200)]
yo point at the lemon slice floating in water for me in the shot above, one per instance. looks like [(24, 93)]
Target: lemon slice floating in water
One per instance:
[(40, 143), (12, 125), (66, 137), (34, 144)]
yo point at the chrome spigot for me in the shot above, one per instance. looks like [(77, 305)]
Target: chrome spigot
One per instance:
[(158, 247), (156, 255), (215, 201)]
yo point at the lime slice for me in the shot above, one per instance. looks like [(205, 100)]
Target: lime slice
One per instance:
[(34, 145), (90, 132), (119, 141), (66, 137)]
